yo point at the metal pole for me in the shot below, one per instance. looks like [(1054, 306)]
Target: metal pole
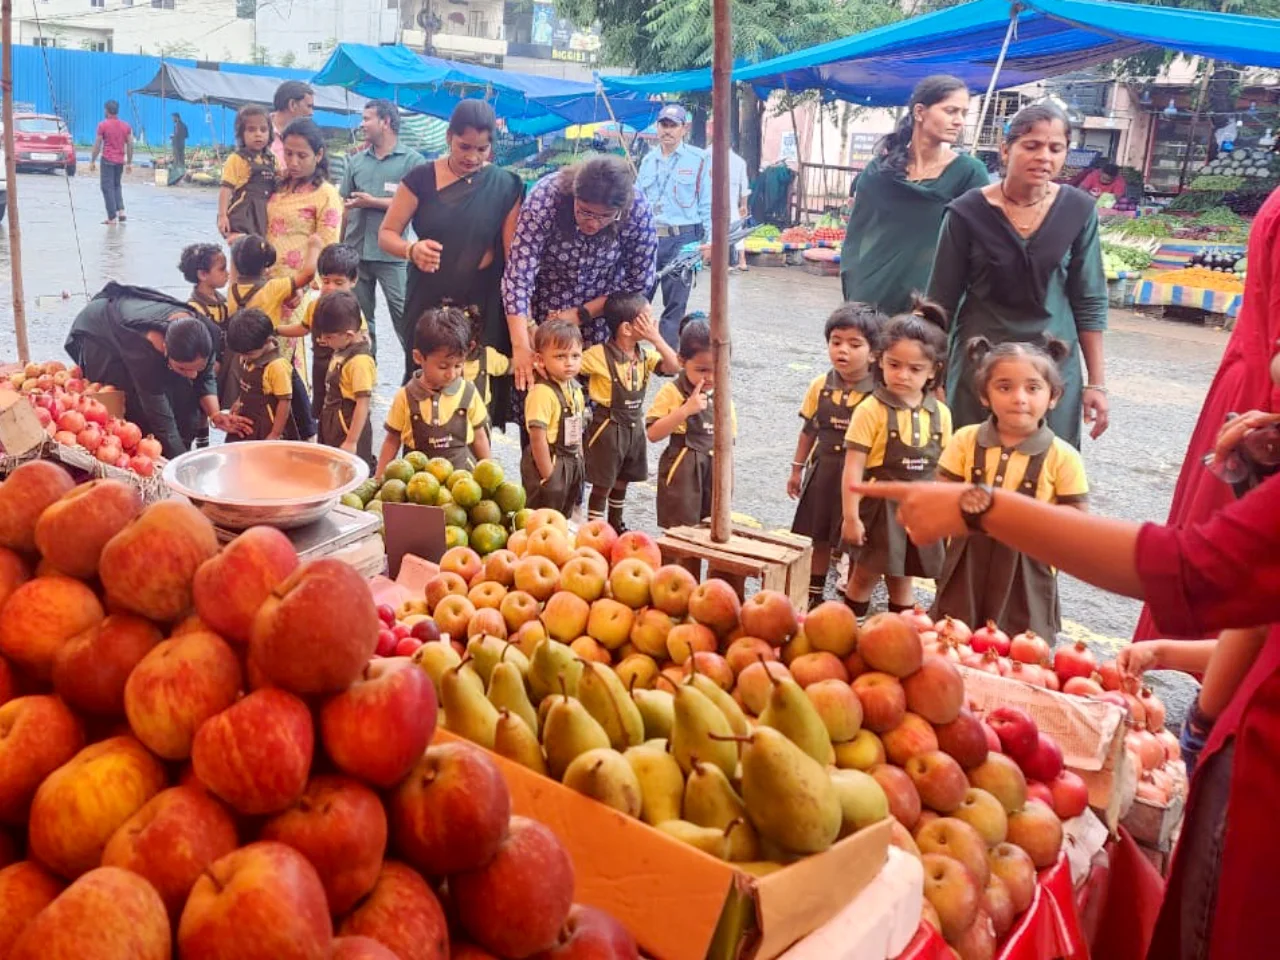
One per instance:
[(1195, 121), (995, 74), (11, 173), (721, 91), (795, 129)]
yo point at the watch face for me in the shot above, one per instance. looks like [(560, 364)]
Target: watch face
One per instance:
[(975, 500)]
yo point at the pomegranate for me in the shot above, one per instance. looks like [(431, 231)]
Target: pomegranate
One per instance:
[(109, 452), (1109, 675), (989, 636), (1151, 792), (149, 446), (130, 434), (918, 617), (95, 412), (1163, 779), (1026, 672), (1114, 696), (1172, 749), (1136, 709), (987, 662), (1083, 687), (90, 437), (122, 461), (65, 437), (1073, 661), (1154, 708), (71, 422), (141, 465), (1150, 751), (1005, 665), (929, 636), (1029, 647), (957, 631), (44, 417)]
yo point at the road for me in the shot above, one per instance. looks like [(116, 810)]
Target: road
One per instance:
[(1157, 371)]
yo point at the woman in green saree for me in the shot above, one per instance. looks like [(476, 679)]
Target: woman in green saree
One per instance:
[(901, 196)]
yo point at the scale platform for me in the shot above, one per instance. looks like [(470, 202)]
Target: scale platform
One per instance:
[(346, 534)]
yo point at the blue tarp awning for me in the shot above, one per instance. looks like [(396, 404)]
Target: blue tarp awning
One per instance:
[(880, 67), (528, 104)]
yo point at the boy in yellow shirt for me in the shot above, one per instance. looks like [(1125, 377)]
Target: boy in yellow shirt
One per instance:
[(351, 377), (551, 467), (263, 377), (485, 364), (438, 412)]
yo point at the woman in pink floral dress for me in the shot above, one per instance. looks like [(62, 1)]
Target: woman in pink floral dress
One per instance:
[(304, 204)]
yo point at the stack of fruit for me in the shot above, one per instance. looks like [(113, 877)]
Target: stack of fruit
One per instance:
[(252, 783), (67, 410), (734, 725), (481, 506), (796, 238)]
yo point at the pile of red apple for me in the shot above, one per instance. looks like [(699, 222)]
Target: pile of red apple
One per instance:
[(215, 769), (71, 416)]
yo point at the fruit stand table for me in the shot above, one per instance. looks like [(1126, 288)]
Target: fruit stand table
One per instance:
[(1155, 293)]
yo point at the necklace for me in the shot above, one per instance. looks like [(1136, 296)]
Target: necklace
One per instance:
[(448, 162), (1036, 207), (1034, 203), (932, 170)]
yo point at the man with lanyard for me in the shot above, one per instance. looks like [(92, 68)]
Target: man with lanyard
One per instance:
[(369, 184), (294, 100), (676, 180)]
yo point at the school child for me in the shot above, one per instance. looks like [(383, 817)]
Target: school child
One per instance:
[(484, 363), (618, 373), (852, 333), (204, 266), (249, 176), (683, 411), (263, 376), (438, 412), (338, 268), (897, 433), (252, 257), (1013, 450), (351, 377), (554, 412)]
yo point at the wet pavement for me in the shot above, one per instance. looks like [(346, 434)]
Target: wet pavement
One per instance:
[(1157, 371)]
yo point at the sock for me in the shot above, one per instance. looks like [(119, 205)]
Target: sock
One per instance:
[(615, 512), (859, 607), (817, 584), (900, 607), (594, 514), (596, 503)]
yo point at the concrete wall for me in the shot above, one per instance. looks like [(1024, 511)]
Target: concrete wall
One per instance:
[(203, 29), (308, 31)]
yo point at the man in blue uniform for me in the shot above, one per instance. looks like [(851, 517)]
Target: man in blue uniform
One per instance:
[(676, 180)]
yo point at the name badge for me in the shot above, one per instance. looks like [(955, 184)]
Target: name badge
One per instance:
[(571, 428), (389, 187)]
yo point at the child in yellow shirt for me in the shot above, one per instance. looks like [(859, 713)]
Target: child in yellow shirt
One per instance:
[(552, 468), (351, 377), (248, 177), (438, 412), (263, 377), (484, 363), (338, 268), (204, 266)]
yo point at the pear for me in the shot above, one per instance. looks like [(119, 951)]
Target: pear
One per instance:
[(506, 689), (862, 799), (606, 776), (569, 732), (435, 659), (711, 801), (760, 868), (792, 713), (552, 660), (661, 782), (727, 705), (487, 652), (789, 796), (467, 712), (606, 699), (657, 710), (701, 731), (707, 839), (513, 739)]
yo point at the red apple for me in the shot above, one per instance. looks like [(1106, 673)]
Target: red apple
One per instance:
[(769, 615), (38, 734), (671, 588), (900, 791), (1037, 830), (958, 840), (26, 493), (1016, 730), (636, 544), (230, 587), (935, 691), (1001, 777), (364, 948), (884, 702), (149, 566), (90, 670), (107, 914), (832, 627), (25, 889), (715, 604), (890, 645), (73, 531), (938, 779), (913, 736), (598, 535), (979, 941), (403, 915), (1044, 763), (591, 934), (1039, 791), (1015, 869), (963, 738), (953, 892)]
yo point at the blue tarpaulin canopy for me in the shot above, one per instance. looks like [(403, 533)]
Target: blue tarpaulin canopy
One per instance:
[(528, 104), (880, 67)]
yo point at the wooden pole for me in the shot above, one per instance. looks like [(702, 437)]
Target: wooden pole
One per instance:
[(795, 129), (11, 174), (1195, 122), (721, 91)]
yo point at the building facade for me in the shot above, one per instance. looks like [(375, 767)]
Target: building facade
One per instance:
[(200, 29), (302, 33)]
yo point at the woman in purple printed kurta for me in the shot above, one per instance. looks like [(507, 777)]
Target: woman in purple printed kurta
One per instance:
[(583, 233)]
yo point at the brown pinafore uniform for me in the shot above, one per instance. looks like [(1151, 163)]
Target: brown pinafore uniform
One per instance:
[(684, 469), (617, 451), (482, 375), (435, 439), (255, 404), (336, 414), (983, 579), (563, 489), (886, 547), (818, 512)]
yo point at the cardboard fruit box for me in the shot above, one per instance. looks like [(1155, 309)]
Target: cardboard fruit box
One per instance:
[(680, 903), (1090, 733)]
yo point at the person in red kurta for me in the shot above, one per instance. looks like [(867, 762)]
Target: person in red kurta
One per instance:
[(1241, 383)]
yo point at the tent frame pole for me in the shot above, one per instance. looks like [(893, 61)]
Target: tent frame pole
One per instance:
[(622, 134), (995, 74), (721, 349), (11, 173), (795, 128)]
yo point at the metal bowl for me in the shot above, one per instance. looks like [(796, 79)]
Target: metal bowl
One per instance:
[(279, 483)]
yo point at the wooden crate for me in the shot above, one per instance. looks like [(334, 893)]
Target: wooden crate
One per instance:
[(766, 259), (780, 562)]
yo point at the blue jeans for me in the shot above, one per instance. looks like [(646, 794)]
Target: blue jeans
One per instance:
[(109, 177), (676, 286)]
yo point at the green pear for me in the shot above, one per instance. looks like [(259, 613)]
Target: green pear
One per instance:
[(700, 731), (661, 782), (486, 653), (657, 710), (789, 796), (467, 712), (727, 705), (569, 732), (513, 739), (707, 839), (605, 775), (553, 661), (606, 699), (435, 659), (711, 801), (793, 714), (506, 689), (862, 800)]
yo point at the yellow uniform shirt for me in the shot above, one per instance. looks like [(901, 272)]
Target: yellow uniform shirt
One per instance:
[(869, 428), (309, 315), (668, 399), (542, 406), (496, 365), (270, 298), (849, 397), (236, 171), (399, 421), (634, 373), (1062, 476), (277, 379), (358, 378)]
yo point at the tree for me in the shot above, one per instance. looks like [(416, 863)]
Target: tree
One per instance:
[(181, 49), (288, 58)]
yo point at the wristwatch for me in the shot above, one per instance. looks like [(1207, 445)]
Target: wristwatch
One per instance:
[(974, 504), (584, 315)]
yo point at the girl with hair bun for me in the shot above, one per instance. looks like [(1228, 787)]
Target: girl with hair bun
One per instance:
[(1013, 449)]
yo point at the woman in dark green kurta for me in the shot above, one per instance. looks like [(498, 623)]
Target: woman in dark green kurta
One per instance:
[(1020, 260), (900, 198)]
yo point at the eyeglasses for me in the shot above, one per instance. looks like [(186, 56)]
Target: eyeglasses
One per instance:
[(604, 219)]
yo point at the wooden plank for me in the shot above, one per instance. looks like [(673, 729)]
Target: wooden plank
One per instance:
[(750, 548), (793, 540), (798, 580), (745, 566)]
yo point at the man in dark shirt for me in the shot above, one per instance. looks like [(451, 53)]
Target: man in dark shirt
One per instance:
[(180, 133)]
